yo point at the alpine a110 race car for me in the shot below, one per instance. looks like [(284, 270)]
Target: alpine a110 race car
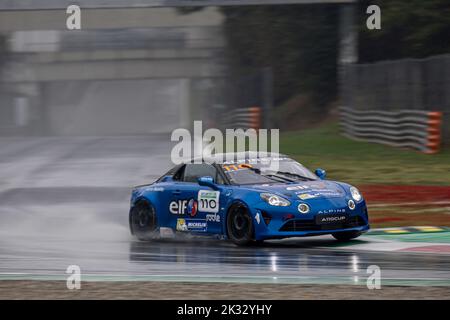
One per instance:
[(246, 201)]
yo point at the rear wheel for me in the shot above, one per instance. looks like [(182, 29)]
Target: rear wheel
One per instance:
[(240, 225), (345, 236), (143, 220)]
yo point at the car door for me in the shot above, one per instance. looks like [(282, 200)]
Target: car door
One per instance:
[(197, 206), (168, 186)]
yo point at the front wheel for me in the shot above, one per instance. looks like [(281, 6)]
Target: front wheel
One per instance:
[(240, 225), (346, 236), (143, 220)]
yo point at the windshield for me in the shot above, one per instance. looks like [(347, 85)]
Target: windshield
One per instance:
[(261, 171)]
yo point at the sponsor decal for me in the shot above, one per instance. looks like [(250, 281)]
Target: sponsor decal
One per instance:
[(181, 225), (155, 189), (332, 219), (255, 160), (208, 201), (318, 185), (213, 217), (320, 192), (195, 225), (178, 207), (234, 167), (297, 188), (192, 207), (257, 218), (306, 196), (331, 211)]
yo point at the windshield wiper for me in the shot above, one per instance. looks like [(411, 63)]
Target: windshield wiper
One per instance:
[(271, 175), (295, 175), (278, 177)]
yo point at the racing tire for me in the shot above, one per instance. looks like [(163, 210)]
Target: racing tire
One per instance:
[(240, 225), (143, 221), (346, 236)]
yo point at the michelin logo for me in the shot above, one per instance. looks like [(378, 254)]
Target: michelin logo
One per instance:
[(191, 225)]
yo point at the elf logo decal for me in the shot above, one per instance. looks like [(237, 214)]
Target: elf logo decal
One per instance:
[(208, 201), (183, 207), (178, 207), (192, 207)]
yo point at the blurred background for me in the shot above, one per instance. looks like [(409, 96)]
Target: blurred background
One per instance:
[(93, 109)]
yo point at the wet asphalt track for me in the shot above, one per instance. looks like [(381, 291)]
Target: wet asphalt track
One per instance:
[(64, 201)]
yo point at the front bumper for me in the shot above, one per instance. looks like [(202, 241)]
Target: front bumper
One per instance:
[(289, 234), (281, 222)]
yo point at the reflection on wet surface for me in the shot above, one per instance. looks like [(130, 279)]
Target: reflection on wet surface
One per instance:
[(294, 260), (291, 258)]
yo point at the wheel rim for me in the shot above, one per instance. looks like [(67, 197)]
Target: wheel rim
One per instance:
[(143, 219), (240, 224)]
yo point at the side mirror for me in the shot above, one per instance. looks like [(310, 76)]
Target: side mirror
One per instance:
[(207, 182), (320, 173), (167, 179)]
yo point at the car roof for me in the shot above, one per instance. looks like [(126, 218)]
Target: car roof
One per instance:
[(220, 158)]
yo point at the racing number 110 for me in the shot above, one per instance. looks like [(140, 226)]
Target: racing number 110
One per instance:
[(208, 204)]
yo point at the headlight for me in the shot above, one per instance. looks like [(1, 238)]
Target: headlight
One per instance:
[(355, 194), (275, 200)]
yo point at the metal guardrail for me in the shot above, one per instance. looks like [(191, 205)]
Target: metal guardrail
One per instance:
[(406, 84), (244, 118), (416, 129)]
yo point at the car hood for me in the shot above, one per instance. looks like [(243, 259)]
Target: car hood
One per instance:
[(306, 190)]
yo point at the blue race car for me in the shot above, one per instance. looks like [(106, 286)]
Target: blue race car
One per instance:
[(244, 201)]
